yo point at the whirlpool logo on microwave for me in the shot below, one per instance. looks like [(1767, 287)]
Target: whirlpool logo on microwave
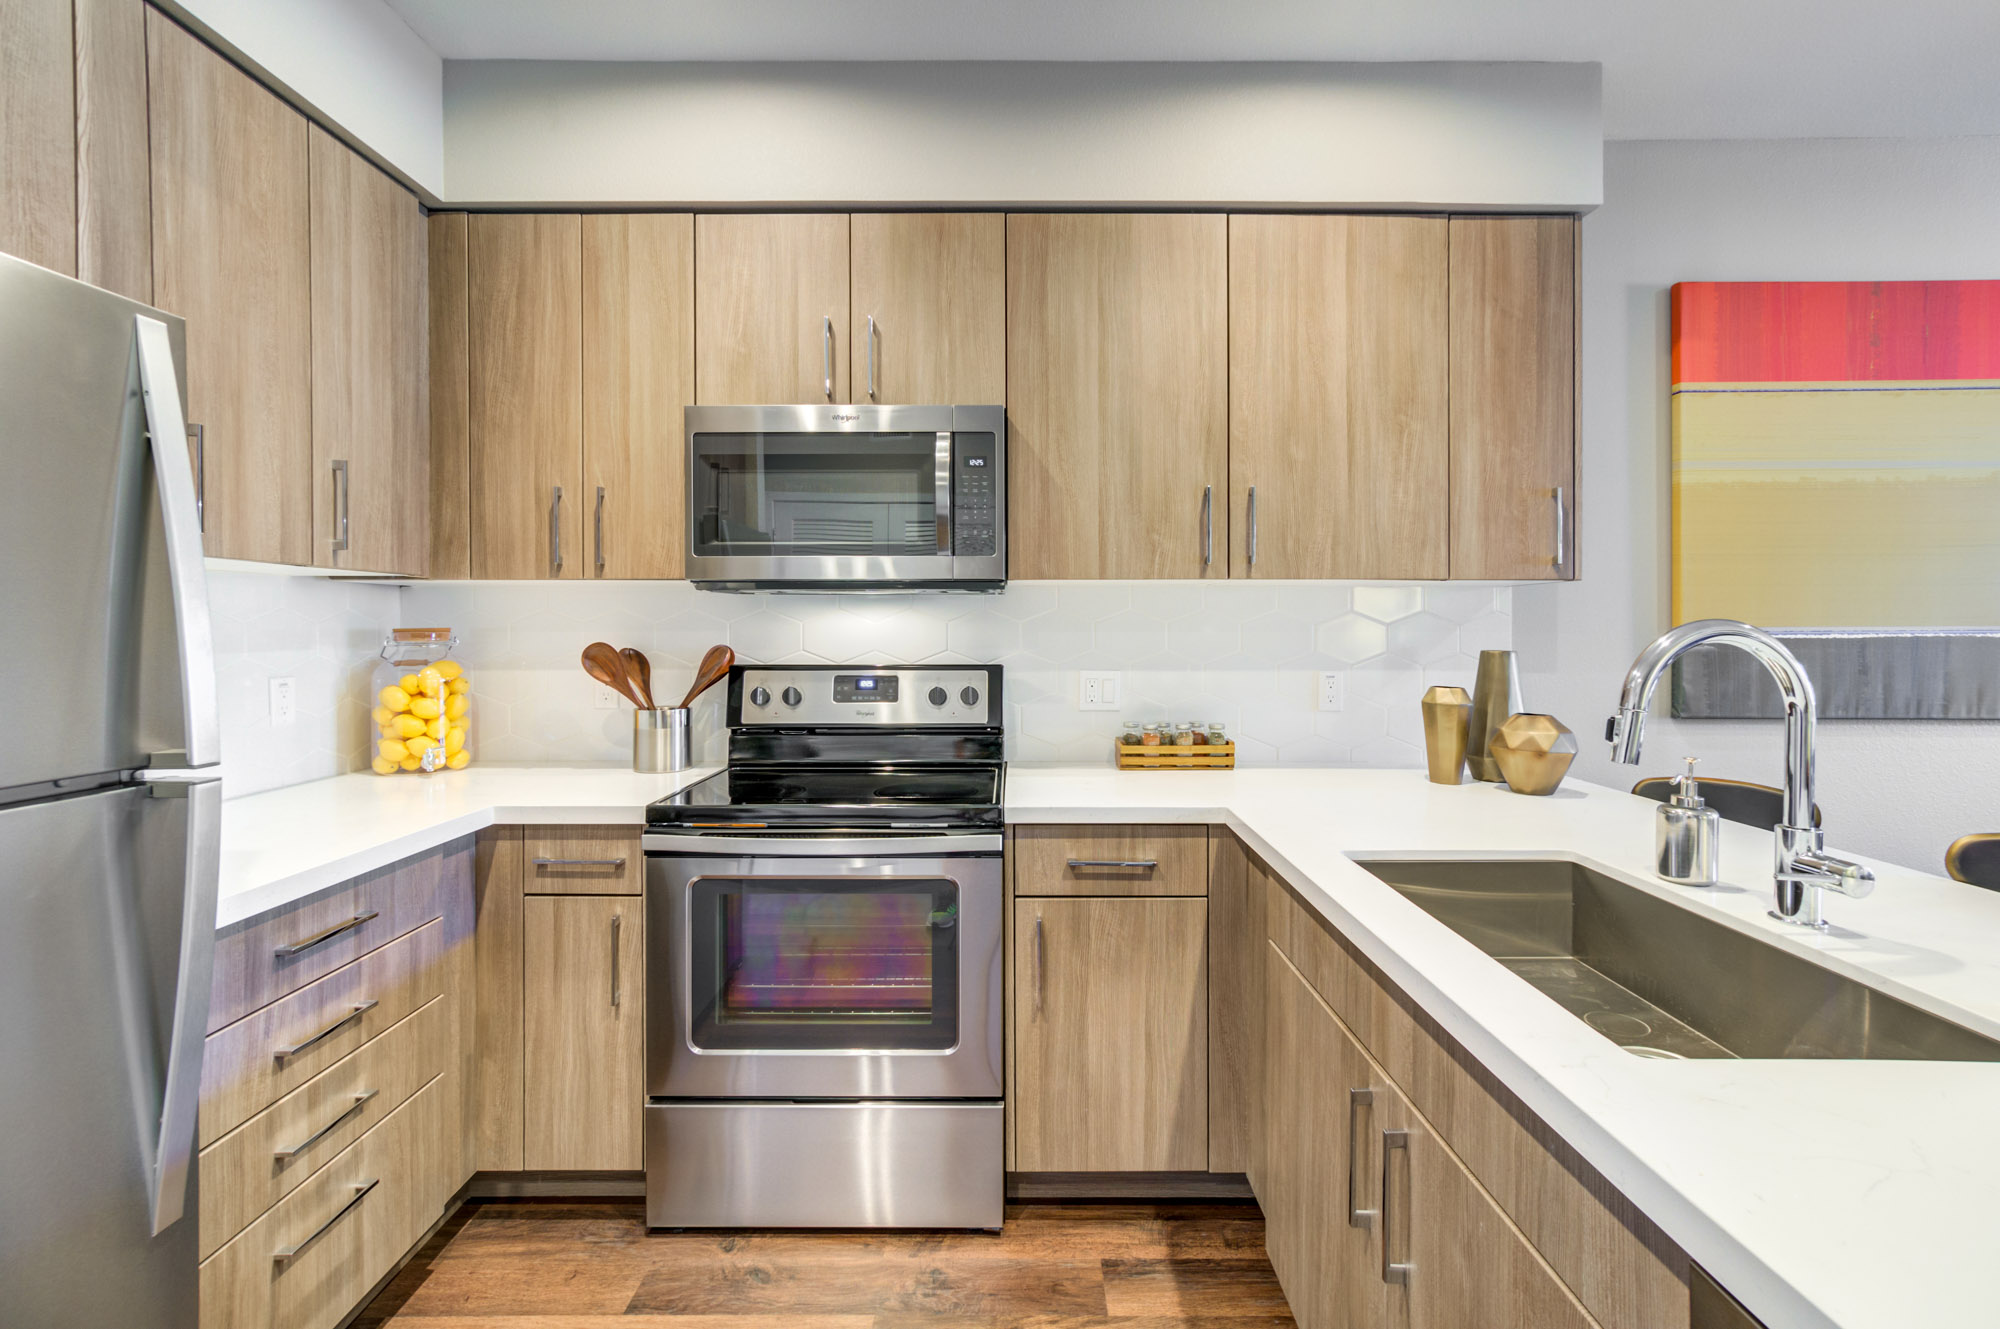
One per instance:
[(846, 417)]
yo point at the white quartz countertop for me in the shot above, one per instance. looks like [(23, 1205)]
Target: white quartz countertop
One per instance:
[(1864, 1195)]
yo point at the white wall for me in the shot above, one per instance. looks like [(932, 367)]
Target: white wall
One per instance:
[(1836, 210), (983, 133)]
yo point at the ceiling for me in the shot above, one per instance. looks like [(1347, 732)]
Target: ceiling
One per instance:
[(1672, 68)]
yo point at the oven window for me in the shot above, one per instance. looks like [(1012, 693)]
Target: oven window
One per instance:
[(770, 495), (824, 964)]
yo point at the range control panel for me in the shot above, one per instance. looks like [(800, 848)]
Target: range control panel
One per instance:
[(857, 695)]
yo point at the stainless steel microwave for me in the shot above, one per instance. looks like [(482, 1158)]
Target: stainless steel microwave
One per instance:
[(828, 498)]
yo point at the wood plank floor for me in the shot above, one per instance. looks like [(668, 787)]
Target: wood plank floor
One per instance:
[(592, 1265)]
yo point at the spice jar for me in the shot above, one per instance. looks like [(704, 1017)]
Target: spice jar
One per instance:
[(1149, 735), (422, 703), (1184, 735), (1216, 733), (1129, 735)]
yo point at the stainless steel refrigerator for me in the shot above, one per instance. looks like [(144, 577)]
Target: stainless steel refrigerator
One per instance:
[(110, 810)]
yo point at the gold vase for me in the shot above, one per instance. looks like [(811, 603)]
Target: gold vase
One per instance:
[(1447, 715), (1534, 753), (1496, 694)]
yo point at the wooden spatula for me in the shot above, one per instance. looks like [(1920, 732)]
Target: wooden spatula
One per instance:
[(714, 668), (603, 663)]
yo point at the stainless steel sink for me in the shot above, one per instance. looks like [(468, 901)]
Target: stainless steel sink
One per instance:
[(1663, 981)]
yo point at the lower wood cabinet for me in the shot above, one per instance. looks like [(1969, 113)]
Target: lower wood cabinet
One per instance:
[(585, 1053), (1110, 1053)]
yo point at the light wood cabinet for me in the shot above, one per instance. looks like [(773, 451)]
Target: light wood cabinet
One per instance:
[(638, 377), (370, 391), (582, 860), (771, 308), (1118, 395), (38, 133), (1110, 1064), (929, 317), (525, 419), (450, 397), (232, 255), (1236, 946), (1339, 462), (583, 986), (1110, 860), (1513, 398), (114, 243), (497, 1055)]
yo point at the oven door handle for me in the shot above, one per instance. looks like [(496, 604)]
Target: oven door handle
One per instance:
[(852, 846)]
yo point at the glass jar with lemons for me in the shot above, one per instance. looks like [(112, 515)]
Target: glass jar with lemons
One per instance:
[(421, 702)]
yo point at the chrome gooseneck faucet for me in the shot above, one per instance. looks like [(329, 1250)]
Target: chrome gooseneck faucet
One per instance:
[(1803, 868)]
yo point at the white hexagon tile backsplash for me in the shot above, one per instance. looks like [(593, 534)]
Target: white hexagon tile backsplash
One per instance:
[(1247, 654)]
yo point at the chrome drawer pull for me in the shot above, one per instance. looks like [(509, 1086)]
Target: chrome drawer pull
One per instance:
[(579, 862), (1114, 862), (360, 1101), (1356, 1100), (361, 1189), (1038, 964), (1394, 1271), (340, 506), (356, 1013), (617, 920), (1207, 525), (300, 947), (1562, 535)]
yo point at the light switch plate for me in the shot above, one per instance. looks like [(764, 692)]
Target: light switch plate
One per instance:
[(1098, 691), (284, 703), (1330, 695)]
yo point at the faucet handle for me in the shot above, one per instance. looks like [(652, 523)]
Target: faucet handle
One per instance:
[(1834, 873)]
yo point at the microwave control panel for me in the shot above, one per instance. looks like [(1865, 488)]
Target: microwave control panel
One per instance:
[(975, 510)]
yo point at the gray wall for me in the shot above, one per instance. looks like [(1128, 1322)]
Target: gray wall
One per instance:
[(1834, 210)]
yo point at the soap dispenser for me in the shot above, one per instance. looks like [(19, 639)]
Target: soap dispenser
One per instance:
[(1687, 839)]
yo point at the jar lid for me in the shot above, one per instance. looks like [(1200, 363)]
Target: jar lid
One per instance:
[(420, 634)]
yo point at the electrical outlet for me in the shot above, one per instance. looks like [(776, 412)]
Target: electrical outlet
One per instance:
[(284, 703), (1330, 696), (1097, 691), (607, 699)]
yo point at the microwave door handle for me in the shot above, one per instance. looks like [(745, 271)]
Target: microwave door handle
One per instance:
[(944, 491)]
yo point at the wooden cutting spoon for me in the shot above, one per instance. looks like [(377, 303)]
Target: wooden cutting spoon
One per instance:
[(603, 663), (639, 670), (714, 668)]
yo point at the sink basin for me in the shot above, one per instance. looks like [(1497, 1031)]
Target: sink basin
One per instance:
[(1662, 981)]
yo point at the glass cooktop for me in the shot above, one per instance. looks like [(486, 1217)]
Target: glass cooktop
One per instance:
[(822, 794)]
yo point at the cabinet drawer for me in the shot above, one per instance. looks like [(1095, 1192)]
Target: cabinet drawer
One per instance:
[(582, 860), (243, 1071), (262, 961), (1111, 860), (272, 1154), (344, 1228)]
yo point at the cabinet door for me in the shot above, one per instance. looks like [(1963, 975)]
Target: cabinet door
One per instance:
[(770, 309), (370, 390), (232, 255), (1513, 398), (1339, 459), (525, 371), (931, 289), (585, 1009), (450, 404), (1117, 395), (1110, 1064), (38, 134), (1236, 948), (638, 377), (114, 213)]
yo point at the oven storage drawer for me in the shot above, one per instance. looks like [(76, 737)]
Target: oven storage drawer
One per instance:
[(809, 1165)]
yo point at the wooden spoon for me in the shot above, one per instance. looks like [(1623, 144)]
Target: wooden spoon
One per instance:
[(714, 668), (640, 671), (603, 663)]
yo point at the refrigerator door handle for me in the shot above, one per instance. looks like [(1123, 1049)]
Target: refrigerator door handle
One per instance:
[(181, 517), (172, 1154)]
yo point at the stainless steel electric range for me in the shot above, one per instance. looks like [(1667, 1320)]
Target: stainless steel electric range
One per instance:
[(823, 1030)]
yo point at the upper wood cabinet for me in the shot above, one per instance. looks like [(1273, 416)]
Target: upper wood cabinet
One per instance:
[(1117, 395), (38, 133), (525, 391), (929, 317), (1513, 398), (585, 1056), (371, 429), (638, 377), (450, 404), (232, 255), (1339, 460), (771, 309)]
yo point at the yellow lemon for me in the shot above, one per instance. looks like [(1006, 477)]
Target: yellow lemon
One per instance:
[(392, 749), (381, 715), (459, 760), (425, 708), (407, 726), (411, 764), (419, 745), (459, 685), (454, 707), (448, 669), (454, 739), (435, 728), (394, 698), (430, 680), (410, 684), (383, 766)]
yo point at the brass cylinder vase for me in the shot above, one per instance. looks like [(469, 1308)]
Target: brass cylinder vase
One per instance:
[(1496, 694), (1447, 717)]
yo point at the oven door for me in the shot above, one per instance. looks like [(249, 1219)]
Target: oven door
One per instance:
[(813, 969)]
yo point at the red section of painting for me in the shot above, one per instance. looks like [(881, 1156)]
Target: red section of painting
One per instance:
[(1835, 332)]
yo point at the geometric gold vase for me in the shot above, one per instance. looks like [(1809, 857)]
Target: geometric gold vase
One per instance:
[(1447, 715), (1534, 752)]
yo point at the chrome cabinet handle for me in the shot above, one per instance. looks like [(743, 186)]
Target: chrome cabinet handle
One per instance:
[(300, 947), (353, 1014), (578, 862), (1114, 862), (1356, 1100), (360, 1101), (1562, 533), (361, 1189), (1394, 1271), (1038, 964), (616, 921), (340, 506), (871, 357), (1207, 525), (198, 434), (826, 355), (1250, 537), (599, 523), (555, 532)]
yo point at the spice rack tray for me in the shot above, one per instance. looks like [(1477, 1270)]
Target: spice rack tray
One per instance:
[(1174, 757)]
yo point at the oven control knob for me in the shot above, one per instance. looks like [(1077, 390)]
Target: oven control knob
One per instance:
[(938, 696), (793, 697), (760, 696), (970, 696)]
